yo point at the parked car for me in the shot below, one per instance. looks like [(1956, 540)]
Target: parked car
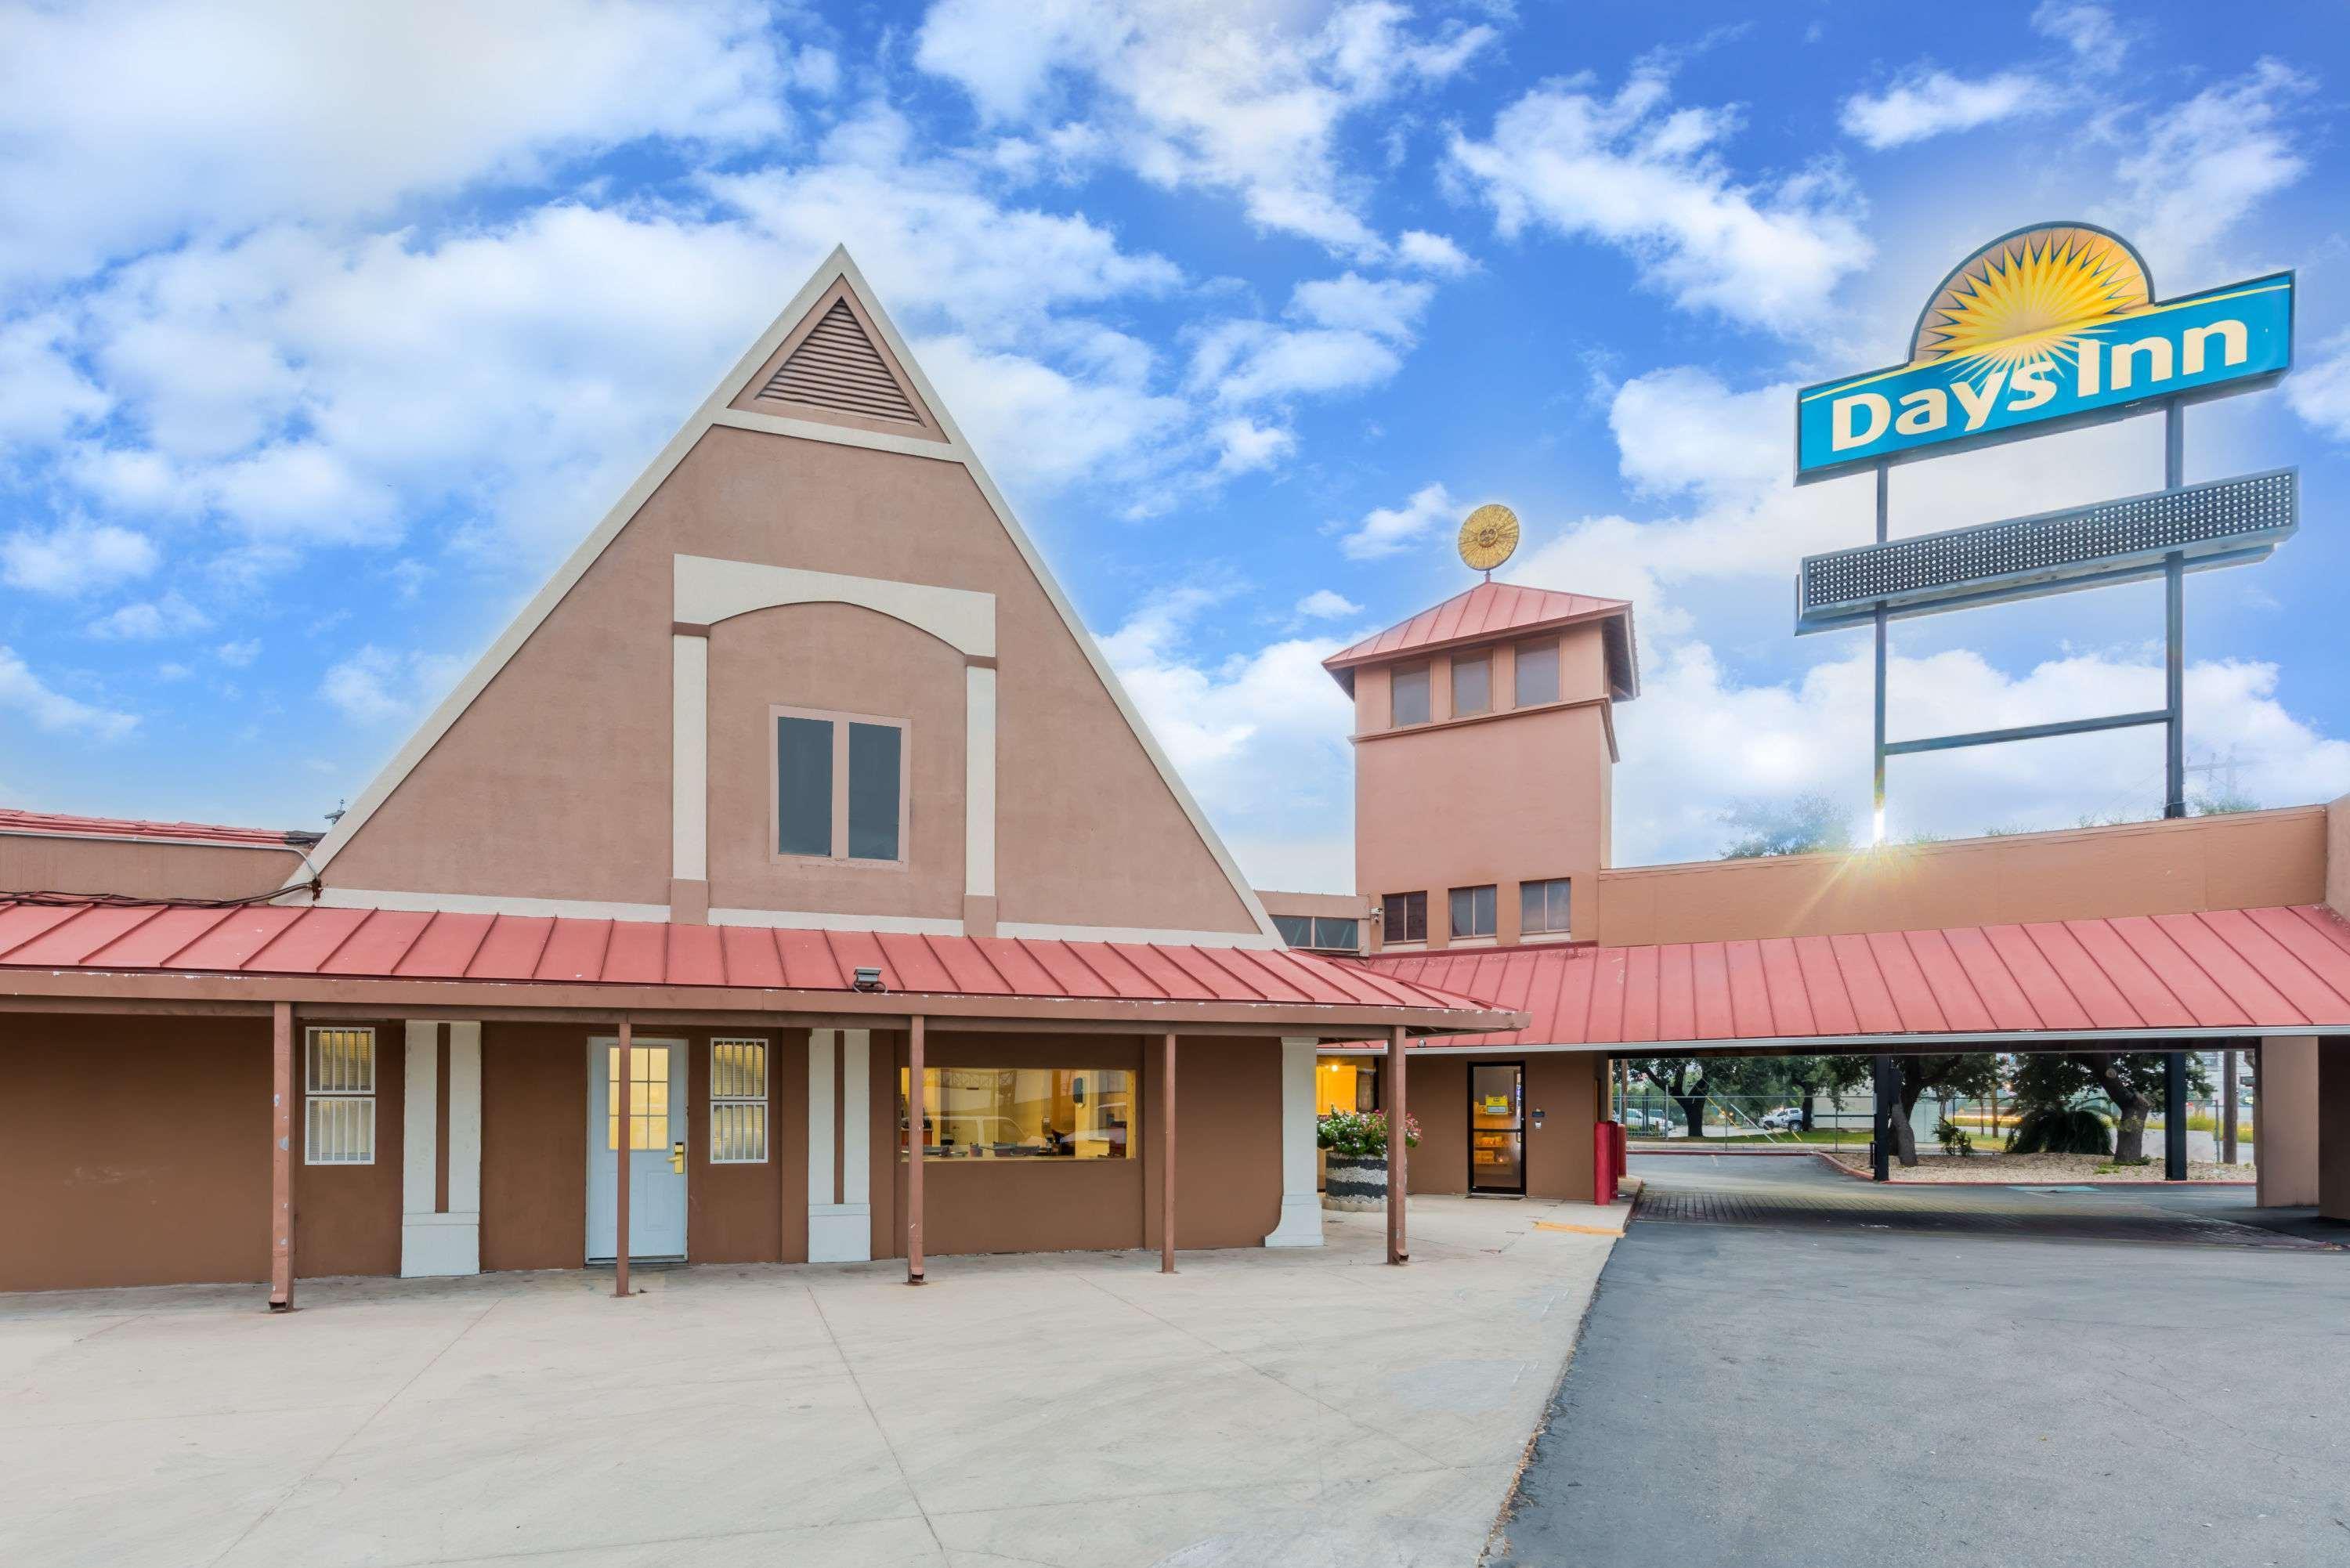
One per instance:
[(1787, 1118), (1636, 1120)]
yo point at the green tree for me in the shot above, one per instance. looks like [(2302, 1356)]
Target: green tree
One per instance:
[(1813, 1076), (2130, 1079), (1801, 825), (1971, 1073), (1687, 1081)]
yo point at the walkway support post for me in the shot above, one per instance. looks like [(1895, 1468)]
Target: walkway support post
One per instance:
[(915, 1114), (1167, 1156), (2228, 1106), (624, 1134), (1398, 1157), (2173, 1116), (283, 1088), (1885, 1090)]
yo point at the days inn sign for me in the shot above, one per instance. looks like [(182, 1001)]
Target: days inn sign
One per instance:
[(2048, 327)]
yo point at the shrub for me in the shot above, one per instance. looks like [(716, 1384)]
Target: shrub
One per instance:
[(2060, 1129), (1953, 1137), (1361, 1134)]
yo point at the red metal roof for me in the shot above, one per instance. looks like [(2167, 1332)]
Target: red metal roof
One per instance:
[(62, 827), (266, 940), (1489, 609), (2238, 969)]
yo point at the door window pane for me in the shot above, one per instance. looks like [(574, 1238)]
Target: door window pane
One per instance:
[(875, 758), (1543, 906), (1407, 701), (804, 786), (1022, 1113), (1472, 911), (648, 1098), (1404, 917), (1472, 684), (1537, 673)]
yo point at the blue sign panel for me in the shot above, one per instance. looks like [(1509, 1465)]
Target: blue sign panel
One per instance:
[(1995, 358)]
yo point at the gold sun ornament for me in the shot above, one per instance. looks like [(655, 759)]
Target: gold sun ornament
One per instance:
[(1487, 536), (2029, 298)]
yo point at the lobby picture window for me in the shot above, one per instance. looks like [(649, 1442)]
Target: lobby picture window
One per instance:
[(338, 1096), (1408, 697), (839, 786), (738, 1101), (1472, 685), (1542, 907), (1537, 673), (1472, 911), (1022, 1112), (1403, 917)]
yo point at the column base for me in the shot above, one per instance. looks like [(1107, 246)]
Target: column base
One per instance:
[(1301, 1221), (440, 1246), (841, 1233)]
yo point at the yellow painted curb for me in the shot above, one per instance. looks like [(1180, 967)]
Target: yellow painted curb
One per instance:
[(1578, 1230)]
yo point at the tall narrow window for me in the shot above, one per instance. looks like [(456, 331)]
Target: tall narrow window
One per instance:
[(1472, 911), (738, 1101), (1473, 684), (1403, 917), (841, 787), (1408, 697), (1543, 908), (1537, 673), (803, 785), (338, 1096)]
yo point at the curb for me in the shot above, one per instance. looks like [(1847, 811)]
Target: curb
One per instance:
[(1843, 1170)]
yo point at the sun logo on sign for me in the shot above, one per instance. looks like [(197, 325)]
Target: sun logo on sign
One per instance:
[(2029, 300)]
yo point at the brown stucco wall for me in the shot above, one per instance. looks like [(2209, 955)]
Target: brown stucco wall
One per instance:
[(541, 788), (1227, 1142), (31, 862), (2242, 861), (534, 1145), (1564, 1087), (135, 1151)]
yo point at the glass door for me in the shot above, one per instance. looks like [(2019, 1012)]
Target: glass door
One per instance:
[(1497, 1128)]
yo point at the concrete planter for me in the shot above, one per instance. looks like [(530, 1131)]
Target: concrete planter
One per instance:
[(1356, 1182)]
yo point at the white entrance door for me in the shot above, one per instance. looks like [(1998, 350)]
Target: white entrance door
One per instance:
[(655, 1134)]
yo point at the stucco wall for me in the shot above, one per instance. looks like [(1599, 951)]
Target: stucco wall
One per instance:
[(556, 782), (1561, 1085), (136, 1151), (45, 863), (2242, 861)]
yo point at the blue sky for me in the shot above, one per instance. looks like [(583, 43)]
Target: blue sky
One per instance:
[(326, 331)]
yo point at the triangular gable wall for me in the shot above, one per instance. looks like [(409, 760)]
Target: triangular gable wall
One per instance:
[(737, 402)]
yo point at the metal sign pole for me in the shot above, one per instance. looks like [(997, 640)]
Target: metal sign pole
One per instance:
[(2173, 648), (1877, 817)]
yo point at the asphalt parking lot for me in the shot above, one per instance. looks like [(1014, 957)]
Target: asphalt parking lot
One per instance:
[(1782, 1365)]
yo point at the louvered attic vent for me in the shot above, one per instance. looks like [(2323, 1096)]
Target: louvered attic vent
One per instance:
[(836, 366)]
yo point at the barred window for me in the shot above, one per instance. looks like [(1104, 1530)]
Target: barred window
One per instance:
[(338, 1096), (738, 1102)]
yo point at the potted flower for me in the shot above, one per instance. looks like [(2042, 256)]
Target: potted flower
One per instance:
[(1356, 1143)]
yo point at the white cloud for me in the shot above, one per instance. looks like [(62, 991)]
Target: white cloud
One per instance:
[(1355, 333), (238, 654), (170, 616), (1326, 604), (1390, 530), (1260, 737), (43, 394), (75, 557), (377, 686), (2201, 166), (1040, 428), (1925, 103), (1388, 308), (128, 124), (1231, 96), (52, 711), (1244, 446), (2319, 390), (1635, 172), (2096, 40), (1429, 252)]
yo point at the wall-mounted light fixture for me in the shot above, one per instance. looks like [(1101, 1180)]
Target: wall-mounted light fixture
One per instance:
[(869, 979)]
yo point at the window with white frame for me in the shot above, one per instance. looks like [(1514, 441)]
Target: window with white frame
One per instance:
[(738, 1101), (841, 787), (338, 1096)]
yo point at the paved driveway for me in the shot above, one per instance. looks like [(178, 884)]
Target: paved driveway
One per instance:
[(1817, 1373), (1298, 1409)]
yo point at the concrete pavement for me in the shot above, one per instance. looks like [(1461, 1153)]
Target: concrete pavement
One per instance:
[(1297, 1407)]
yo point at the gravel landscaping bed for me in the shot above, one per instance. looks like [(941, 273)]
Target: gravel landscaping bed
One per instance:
[(2000, 1169)]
